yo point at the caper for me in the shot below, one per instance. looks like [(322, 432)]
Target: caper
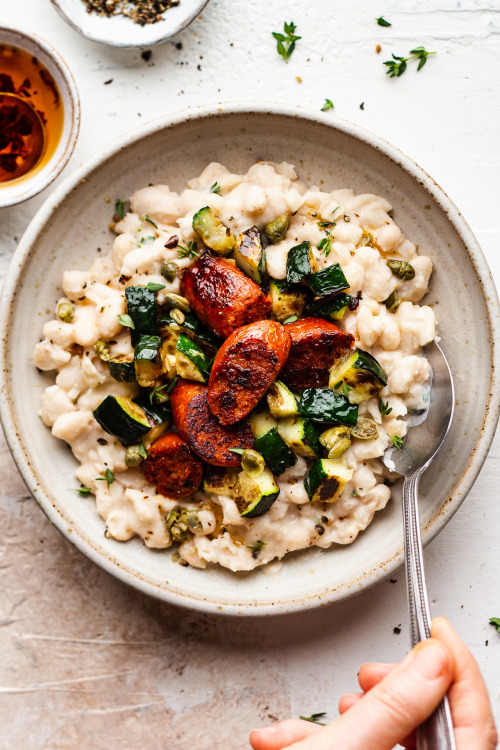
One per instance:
[(337, 440), (252, 463), (101, 348), (392, 302), (134, 455), (169, 270), (173, 301), (366, 239), (275, 231), (179, 522), (178, 316), (65, 311), (365, 429), (401, 269)]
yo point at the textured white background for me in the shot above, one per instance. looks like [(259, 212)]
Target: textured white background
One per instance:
[(84, 661)]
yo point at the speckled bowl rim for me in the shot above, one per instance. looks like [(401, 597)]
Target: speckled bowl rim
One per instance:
[(469, 473), (143, 39), (71, 102)]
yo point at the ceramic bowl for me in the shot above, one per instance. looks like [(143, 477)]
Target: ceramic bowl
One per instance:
[(119, 31), (43, 174), (326, 151)]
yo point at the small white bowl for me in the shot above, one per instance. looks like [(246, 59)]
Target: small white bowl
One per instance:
[(119, 31), (38, 178)]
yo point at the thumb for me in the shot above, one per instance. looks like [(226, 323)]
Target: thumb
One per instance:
[(395, 707)]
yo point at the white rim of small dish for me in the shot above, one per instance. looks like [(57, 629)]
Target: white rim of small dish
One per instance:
[(103, 29), (17, 192), (470, 472)]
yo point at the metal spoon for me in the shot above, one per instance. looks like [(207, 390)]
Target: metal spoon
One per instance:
[(426, 434)]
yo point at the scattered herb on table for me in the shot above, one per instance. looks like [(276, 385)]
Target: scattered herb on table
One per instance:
[(384, 409), (495, 621), (286, 42), (108, 478), (397, 441), (315, 718), (327, 105), (191, 251), (382, 22), (126, 321), (397, 66)]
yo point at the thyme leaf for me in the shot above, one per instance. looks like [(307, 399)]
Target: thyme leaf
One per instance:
[(84, 490), (495, 621), (327, 105), (191, 251), (108, 478), (154, 287), (384, 409), (215, 188), (315, 718), (120, 208), (150, 221), (397, 441), (382, 22), (126, 321), (397, 66)]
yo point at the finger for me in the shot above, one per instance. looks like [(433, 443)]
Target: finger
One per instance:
[(393, 708), (347, 701), (282, 734), (371, 674), (469, 701)]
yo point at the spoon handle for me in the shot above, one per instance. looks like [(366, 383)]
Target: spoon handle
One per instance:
[(437, 732)]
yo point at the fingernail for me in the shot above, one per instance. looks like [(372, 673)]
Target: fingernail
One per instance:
[(266, 731), (429, 659)]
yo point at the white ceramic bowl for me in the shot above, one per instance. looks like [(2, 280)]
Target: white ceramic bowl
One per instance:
[(119, 31), (331, 153), (37, 180)]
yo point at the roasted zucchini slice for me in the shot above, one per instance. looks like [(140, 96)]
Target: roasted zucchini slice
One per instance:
[(250, 256), (323, 405), (275, 452), (190, 360), (191, 327), (300, 262), (286, 300), (213, 232), (281, 401), (141, 306), (301, 435), (326, 479), (122, 368), (219, 480), (360, 374), (329, 280), (255, 495), (261, 422), (122, 418), (330, 309), (148, 363), (276, 230)]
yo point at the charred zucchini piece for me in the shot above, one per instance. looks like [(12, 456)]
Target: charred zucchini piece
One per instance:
[(148, 364), (250, 256), (276, 230), (275, 452), (261, 422), (330, 309), (157, 413), (141, 306), (301, 435), (300, 262), (191, 327), (326, 479), (286, 300), (360, 373), (329, 280), (323, 405), (122, 418), (190, 360), (212, 231), (255, 495), (219, 480), (281, 401), (122, 368)]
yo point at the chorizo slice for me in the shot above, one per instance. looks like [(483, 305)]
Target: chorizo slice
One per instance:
[(316, 345), (172, 467), (222, 296), (212, 441), (244, 368), (180, 398)]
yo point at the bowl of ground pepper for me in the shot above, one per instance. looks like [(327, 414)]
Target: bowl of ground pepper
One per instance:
[(39, 115), (129, 23)]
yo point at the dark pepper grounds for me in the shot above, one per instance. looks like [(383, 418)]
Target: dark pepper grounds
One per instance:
[(140, 11)]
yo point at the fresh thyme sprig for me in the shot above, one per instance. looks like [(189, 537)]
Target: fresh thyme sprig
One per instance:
[(191, 251), (384, 409), (327, 105), (396, 441), (495, 621), (215, 188), (315, 718), (397, 66), (286, 42), (108, 478)]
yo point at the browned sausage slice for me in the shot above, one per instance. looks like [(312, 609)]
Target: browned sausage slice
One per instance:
[(316, 345), (222, 296), (172, 467), (244, 368), (211, 440), (182, 393)]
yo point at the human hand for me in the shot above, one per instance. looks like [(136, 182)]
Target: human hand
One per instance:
[(396, 699)]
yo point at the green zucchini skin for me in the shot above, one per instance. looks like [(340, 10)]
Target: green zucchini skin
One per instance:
[(300, 263), (196, 356), (156, 413), (219, 479), (329, 280), (255, 495), (250, 256), (330, 309), (147, 360), (281, 401), (193, 328), (275, 452), (141, 306), (326, 479), (213, 232), (286, 299), (301, 436), (122, 368), (122, 418), (323, 405), (361, 372)]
